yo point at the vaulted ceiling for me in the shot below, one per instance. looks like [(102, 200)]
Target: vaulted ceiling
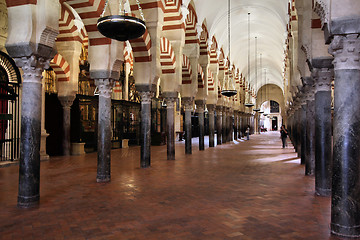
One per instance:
[(268, 21)]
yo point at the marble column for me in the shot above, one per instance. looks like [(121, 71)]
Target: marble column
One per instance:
[(241, 127), (66, 102), (211, 111), (219, 124), (200, 107), (310, 128), (303, 122), (345, 205), (104, 129), (236, 125), (29, 165), (224, 125), (170, 127), (229, 125), (44, 134), (323, 163), (188, 105), (145, 132), (298, 129)]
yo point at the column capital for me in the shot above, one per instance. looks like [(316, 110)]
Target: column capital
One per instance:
[(346, 52), (188, 103), (32, 67), (104, 86), (200, 106), (146, 96), (66, 101), (170, 102), (211, 107), (323, 79)]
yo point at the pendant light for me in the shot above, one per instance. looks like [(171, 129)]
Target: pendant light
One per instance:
[(256, 102), (230, 91), (121, 27), (265, 114), (261, 111), (249, 104)]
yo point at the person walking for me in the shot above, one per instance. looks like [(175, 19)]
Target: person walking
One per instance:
[(247, 132), (284, 134)]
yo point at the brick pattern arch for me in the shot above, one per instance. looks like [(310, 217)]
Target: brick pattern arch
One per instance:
[(190, 26), (204, 40), (173, 16), (141, 48), (61, 67), (200, 77), (213, 51), (186, 70), (211, 82), (167, 56), (222, 60)]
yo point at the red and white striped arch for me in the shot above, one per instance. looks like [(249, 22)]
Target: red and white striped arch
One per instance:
[(15, 3), (129, 57), (190, 26), (213, 51), (141, 48), (211, 82), (173, 16), (186, 70), (61, 67), (203, 40), (221, 60), (167, 56), (219, 90), (200, 77), (68, 31)]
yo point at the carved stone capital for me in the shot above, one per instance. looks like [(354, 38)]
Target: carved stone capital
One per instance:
[(323, 79), (32, 67), (104, 86), (170, 102), (188, 103), (146, 97), (346, 52), (211, 107), (200, 105), (66, 101), (219, 110)]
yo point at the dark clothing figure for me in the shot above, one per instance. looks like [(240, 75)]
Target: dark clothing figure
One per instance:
[(284, 134)]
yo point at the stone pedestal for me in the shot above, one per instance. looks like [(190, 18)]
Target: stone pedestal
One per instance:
[(345, 205), (211, 112), (200, 105), (104, 130), (29, 165), (323, 163), (219, 124), (145, 138), (188, 105), (77, 148), (66, 102), (170, 127)]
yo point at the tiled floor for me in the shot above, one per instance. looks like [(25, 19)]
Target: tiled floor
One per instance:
[(241, 190)]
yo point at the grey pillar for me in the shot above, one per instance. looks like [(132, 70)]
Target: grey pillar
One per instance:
[(188, 104), (170, 126), (66, 102), (104, 130), (236, 124), (345, 205), (303, 111), (219, 124), (310, 128), (29, 165), (145, 133), (231, 125), (211, 111), (241, 127), (323, 162), (200, 107), (224, 125)]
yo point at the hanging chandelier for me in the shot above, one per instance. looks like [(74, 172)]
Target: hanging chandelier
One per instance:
[(249, 104), (230, 90), (265, 114), (256, 108), (261, 110), (121, 27)]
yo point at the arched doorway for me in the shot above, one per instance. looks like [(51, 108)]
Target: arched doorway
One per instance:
[(10, 80)]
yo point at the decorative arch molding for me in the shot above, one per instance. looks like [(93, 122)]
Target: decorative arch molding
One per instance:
[(211, 82), (201, 83), (321, 8), (61, 67), (186, 70), (141, 48), (167, 57)]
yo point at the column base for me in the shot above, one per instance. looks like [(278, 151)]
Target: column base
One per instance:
[(103, 178), (28, 202), (323, 192), (344, 231)]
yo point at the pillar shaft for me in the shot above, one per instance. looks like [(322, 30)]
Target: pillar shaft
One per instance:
[(236, 125), (303, 132), (310, 139), (323, 161), (218, 125), (188, 103), (345, 206), (170, 128), (104, 130), (211, 111), (66, 102), (200, 105), (224, 125), (29, 165), (145, 136)]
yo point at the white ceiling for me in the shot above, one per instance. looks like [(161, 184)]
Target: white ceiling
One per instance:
[(268, 20)]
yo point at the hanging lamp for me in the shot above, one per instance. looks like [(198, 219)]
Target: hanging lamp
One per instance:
[(121, 27), (265, 114), (231, 91), (256, 109), (261, 110), (249, 104)]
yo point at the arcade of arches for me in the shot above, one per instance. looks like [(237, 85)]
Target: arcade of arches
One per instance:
[(66, 89)]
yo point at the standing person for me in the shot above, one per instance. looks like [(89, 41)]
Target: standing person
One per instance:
[(247, 132), (284, 133)]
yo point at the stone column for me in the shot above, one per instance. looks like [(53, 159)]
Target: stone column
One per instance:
[(188, 104), (323, 164), (170, 127), (44, 134), (310, 128), (298, 129), (219, 124), (241, 122), (66, 102), (104, 129), (236, 125), (145, 132), (29, 165), (211, 111), (230, 125), (200, 107), (224, 125), (303, 122), (345, 207)]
